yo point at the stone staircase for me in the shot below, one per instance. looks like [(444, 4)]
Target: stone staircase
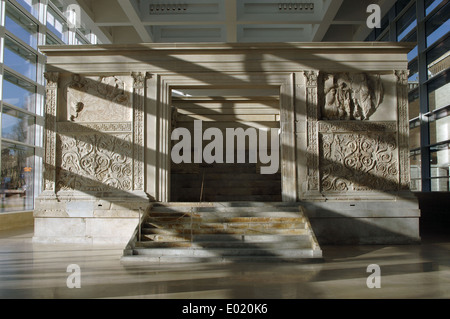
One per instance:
[(223, 232)]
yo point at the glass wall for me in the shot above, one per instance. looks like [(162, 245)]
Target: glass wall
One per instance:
[(425, 22), (26, 25)]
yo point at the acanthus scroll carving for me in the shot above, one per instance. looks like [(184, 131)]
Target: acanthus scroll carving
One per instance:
[(95, 162), (356, 162), (351, 96)]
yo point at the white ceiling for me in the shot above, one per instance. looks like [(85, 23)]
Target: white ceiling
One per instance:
[(137, 21)]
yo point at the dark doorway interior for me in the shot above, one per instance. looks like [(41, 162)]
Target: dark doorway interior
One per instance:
[(225, 108)]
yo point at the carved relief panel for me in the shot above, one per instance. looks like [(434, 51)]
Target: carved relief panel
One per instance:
[(95, 162), (98, 99), (353, 144), (358, 157), (350, 96), (101, 133)]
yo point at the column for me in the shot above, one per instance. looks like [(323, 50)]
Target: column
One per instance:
[(312, 116), (50, 133), (138, 129)]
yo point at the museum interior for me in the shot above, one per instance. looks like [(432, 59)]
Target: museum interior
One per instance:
[(351, 97)]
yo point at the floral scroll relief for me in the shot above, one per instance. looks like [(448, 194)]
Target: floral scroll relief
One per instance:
[(95, 162), (356, 162), (351, 96)]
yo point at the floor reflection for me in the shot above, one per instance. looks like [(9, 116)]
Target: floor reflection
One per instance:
[(30, 270)]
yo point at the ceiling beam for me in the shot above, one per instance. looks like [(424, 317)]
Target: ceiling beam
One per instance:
[(135, 20), (328, 18), (231, 20)]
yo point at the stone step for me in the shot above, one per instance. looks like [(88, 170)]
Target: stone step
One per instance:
[(199, 238), (313, 256), (235, 211), (298, 244), (225, 231), (227, 226), (276, 204), (224, 252), (222, 231), (162, 218)]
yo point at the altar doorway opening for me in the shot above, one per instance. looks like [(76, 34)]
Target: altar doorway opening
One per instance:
[(257, 109)]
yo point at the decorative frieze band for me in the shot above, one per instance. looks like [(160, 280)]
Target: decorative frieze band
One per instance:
[(354, 126), (70, 127)]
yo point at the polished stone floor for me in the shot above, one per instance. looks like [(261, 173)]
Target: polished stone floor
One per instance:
[(30, 270)]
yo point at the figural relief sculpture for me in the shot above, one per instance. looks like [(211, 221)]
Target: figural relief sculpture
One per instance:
[(96, 140), (90, 99), (350, 96)]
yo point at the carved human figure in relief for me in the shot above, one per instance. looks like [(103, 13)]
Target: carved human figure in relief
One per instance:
[(351, 96)]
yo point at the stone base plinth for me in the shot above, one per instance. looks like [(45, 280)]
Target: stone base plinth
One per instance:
[(86, 220), (365, 222)]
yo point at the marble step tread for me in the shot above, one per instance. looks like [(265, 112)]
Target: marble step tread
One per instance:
[(237, 211), (213, 252), (223, 231), (275, 204), (314, 256), (300, 244), (298, 224), (193, 218), (248, 238)]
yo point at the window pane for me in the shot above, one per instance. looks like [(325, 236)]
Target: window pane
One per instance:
[(438, 25), (17, 177), (440, 184), (31, 6), (19, 93), (439, 97), (57, 25), (18, 126), (440, 130), (21, 26), (416, 182), (79, 40), (400, 5), (384, 25), (414, 106), (438, 58), (414, 137), (49, 40), (406, 23), (439, 170), (430, 5), (20, 59)]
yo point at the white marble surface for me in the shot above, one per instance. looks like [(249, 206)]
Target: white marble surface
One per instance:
[(30, 270)]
